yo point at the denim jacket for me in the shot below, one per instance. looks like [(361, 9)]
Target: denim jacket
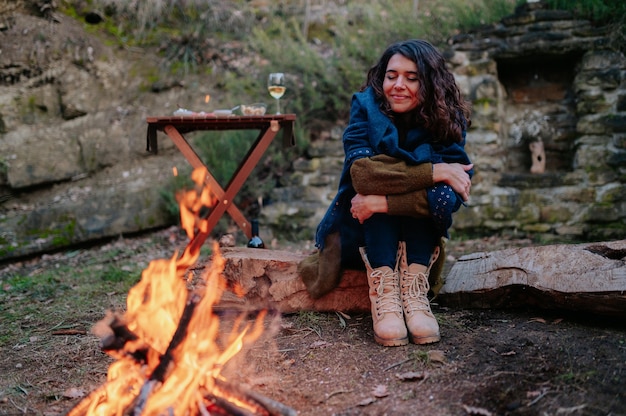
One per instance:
[(369, 133)]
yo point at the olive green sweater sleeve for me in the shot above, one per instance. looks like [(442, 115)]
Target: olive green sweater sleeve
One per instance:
[(404, 185), (413, 204), (386, 175)]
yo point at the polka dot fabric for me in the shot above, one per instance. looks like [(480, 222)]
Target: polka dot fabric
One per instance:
[(443, 201)]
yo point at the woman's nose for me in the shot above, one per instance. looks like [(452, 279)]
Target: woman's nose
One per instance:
[(399, 83)]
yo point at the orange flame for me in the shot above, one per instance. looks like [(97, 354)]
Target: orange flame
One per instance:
[(155, 306)]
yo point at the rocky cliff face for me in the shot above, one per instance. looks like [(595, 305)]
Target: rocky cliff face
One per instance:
[(74, 166)]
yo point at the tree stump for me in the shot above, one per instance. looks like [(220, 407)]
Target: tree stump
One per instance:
[(581, 277), (269, 279)]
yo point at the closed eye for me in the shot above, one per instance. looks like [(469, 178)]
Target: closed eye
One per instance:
[(411, 77)]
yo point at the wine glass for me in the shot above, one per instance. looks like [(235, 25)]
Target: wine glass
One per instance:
[(276, 87)]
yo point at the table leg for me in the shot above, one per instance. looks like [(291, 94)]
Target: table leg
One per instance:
[(210, 181), (243, 171)]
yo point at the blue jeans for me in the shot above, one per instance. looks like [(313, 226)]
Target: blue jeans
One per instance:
[(383, 233)]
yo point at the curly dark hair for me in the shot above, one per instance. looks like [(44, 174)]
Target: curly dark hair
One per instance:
[(441, 110)]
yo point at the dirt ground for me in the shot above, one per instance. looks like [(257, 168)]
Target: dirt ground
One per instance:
[(488, 362)]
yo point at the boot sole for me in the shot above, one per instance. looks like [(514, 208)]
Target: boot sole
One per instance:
[(391, 342), (426, 340)]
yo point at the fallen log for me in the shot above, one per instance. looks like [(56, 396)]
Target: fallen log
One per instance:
[(270, 279), (573, 277)]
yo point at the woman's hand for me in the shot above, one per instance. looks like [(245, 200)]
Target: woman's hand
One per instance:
[(455, 175), (364, 206)]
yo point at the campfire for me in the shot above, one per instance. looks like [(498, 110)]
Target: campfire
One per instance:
[(167, 345)]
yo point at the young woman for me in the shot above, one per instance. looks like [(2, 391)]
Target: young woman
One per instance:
[(405, 174)]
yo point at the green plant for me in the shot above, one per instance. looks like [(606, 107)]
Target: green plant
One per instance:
[(419, 358), (311, 321), (469, 15), (326, 59), (603, 11)]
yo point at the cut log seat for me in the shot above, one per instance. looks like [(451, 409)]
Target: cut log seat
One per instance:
[(270, 279)]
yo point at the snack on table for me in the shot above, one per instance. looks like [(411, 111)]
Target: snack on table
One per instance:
[(253, 109)]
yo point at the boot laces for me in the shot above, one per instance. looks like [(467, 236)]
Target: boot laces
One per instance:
[(416, 292), (388, 291)]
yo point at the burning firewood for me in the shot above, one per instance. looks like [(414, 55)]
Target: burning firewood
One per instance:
[(169, 357)]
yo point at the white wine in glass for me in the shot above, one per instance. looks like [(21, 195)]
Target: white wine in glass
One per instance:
[(276, 87)]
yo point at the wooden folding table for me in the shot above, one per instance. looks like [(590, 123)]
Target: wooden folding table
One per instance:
[(268, 125)]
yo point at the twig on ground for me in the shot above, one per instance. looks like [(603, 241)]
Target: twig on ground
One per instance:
[(22, 410), (544, 391), (397, 364), (70, 332), (570, 410), (505, 373), (334, 393)]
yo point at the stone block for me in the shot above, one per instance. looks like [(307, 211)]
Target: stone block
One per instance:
[(616, 123), (485, 87), (605, 79), (600, 176), (617, 159), (306, 165), (322, 180), (576, 231), (483, 137), (612, 193), (606, 231), (458, 58), (619, 141), (463, 83), (621, 103), (601, 60), (592, 125), (556, 213), (470, 217), (599, 213), (531, 181), (592, 102), (331, 166), (575, 194), (537, 228), (591, 156), (39, 155), (326, 148), (527, 213)]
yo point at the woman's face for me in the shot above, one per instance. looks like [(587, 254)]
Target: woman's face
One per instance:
[(401, 84)]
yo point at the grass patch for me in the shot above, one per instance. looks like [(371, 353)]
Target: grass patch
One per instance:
[(40, 301)]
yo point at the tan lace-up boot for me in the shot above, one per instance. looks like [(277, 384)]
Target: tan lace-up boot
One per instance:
[(420, 321), (384, 291)]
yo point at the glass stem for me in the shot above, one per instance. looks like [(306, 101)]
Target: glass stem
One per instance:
[(278, 106)]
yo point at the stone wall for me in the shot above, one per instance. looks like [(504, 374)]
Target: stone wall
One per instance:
[(537, 78), (543, 76)]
